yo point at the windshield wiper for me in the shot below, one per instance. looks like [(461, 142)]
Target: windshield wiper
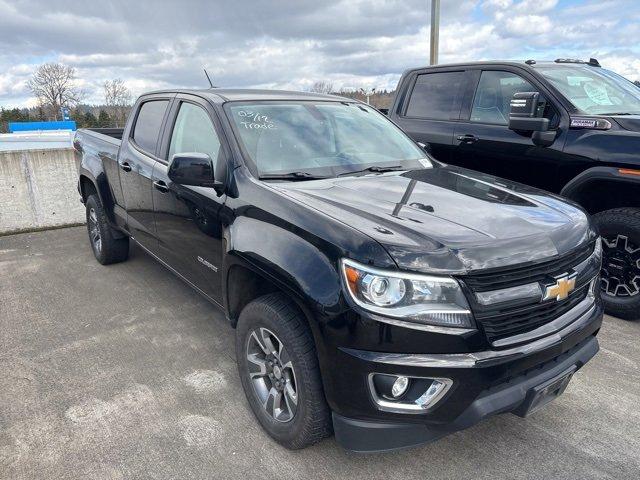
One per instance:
[(374, 168), (618, 113), (291, 176)]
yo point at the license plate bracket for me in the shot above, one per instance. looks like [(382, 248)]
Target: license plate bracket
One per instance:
[(540, 395)]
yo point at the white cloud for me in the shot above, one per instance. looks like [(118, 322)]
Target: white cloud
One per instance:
[(528, 25), (293, 43)]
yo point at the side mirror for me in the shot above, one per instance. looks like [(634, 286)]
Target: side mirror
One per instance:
[(525, 113), (192, 169)]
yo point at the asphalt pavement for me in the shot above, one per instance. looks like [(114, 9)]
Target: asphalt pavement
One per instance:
[(125, 372)]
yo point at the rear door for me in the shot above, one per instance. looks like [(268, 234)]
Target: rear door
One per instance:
[(188, 221), (137, 157), (431, 108), (484, 142)]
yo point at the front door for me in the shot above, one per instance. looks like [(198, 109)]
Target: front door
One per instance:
[(485, 143), (187, 218), (136, 160)]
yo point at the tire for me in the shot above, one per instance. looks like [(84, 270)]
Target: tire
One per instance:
[(297, 424), (620, 232), (107, 248)]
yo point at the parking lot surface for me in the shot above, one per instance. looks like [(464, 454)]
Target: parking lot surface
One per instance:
[(125, 372)]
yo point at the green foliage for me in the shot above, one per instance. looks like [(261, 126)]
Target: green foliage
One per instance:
[(12, 115), (104, 120)]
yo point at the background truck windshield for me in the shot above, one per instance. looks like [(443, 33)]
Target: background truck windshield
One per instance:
[(321, 138), (593, 90)]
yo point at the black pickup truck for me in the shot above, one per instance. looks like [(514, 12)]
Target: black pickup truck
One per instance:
[(375, 292), (566, 126)]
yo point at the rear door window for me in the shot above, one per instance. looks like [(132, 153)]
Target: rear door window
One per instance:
[(147, 127), (436, 96)]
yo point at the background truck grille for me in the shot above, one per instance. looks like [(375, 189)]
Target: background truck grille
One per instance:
[(514, 318)]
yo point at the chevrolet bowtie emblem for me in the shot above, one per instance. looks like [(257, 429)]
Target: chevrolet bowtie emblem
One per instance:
[(561, 289)]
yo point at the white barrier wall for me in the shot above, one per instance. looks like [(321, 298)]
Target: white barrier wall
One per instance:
[(38, 189)]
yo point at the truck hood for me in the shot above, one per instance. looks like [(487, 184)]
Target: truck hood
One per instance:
[(628, 122), (448, 219)]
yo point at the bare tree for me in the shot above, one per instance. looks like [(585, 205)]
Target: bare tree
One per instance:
[(117, 98), (322, 86), (54, 86)]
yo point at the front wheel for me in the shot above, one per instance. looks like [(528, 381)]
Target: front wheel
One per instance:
[(620, 232), (279, 372)]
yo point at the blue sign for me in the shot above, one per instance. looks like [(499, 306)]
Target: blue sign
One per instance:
[(35, 126), (65, 114)]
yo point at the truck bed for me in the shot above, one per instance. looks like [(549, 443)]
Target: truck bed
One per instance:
[(102, 143), (111, 135)]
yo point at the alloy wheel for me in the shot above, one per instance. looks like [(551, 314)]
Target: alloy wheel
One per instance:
[(94, 231), (620, 267), (272, 374)]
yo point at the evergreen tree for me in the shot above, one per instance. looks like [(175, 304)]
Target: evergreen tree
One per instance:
[(104, 120), (89, 120)]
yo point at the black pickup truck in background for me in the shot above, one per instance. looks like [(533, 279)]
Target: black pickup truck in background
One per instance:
[(374, 291), (567, 126)]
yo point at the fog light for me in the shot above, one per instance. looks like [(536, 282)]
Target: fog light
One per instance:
[(401, 394), (399, 386)]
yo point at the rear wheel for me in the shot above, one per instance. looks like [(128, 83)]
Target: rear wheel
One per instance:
[(620, 286), (106, 246), (279, 372)]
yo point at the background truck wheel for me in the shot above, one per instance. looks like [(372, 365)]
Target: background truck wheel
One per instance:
[(106, 247), (279, 372), (620, 232)]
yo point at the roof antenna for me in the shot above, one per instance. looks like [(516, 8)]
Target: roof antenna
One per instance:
[(208, 78)]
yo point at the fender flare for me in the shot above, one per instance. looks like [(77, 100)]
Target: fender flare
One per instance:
[(584, 180), (101, 185), (293, 264)]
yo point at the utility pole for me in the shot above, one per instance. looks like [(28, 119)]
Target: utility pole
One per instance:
[(435, 32), (368, 93)]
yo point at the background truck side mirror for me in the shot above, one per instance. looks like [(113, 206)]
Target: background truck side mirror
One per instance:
[(526, 115), (192, 168)]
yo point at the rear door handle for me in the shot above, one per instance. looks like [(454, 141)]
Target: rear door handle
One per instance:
[(161, 186), (125, 166), (468, 138)]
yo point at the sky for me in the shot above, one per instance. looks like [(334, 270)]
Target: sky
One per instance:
[(291, 44)]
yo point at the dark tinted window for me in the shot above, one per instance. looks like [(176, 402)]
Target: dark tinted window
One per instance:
[(435, 95), (492, 101), (147, 129), (495, 90)]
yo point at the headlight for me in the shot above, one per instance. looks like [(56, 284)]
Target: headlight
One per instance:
[(410, 297)]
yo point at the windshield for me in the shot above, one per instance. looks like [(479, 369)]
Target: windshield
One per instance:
[(593, 90), (321, 139)]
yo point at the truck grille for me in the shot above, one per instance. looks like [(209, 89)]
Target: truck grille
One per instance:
[(514, 318), (514, 321), (501, 278)]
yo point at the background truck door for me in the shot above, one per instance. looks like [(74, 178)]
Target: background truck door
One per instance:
[(136, 160), (187, 218), (432, 108), (484, 142)]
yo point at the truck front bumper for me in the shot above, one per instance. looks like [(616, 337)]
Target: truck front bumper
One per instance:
[(484, 384)]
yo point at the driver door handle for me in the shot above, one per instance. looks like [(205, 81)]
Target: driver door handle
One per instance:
[(468, 138), (125, 166), (161, 186)]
